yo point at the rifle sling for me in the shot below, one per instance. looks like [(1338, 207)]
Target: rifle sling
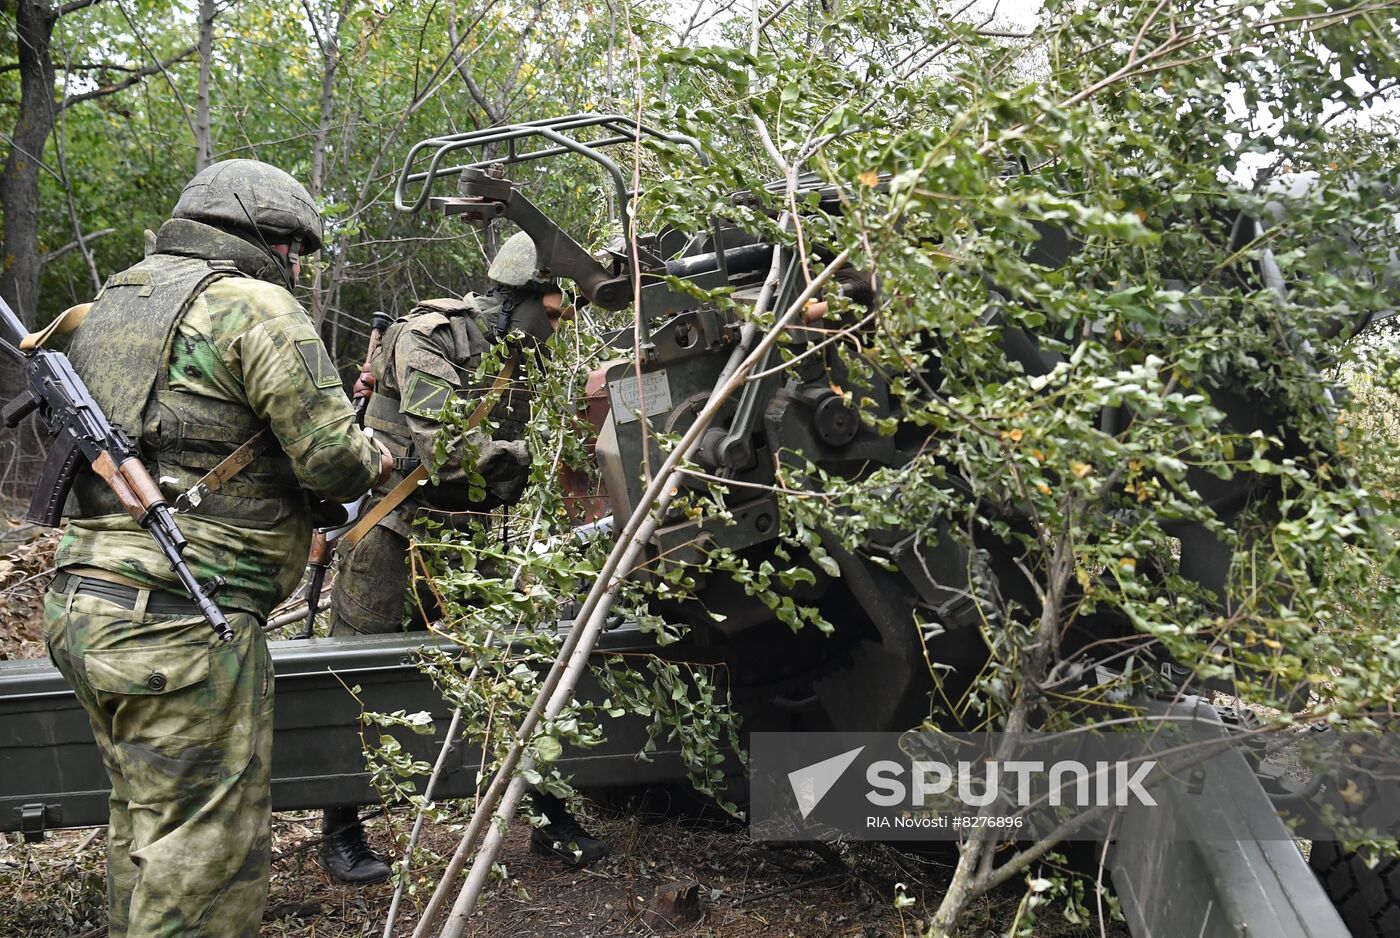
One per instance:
[(230, 466), (66, 321), (396, 496)]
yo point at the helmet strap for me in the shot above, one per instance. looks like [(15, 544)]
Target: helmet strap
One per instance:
[(503, 322), (284, 264)]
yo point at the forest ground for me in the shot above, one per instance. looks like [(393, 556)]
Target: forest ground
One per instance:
[(55, 889)]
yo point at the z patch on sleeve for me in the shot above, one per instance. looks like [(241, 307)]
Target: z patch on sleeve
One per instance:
[(426, 395), (318, 363)]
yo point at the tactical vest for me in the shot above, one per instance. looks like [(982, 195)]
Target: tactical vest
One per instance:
[(464, 320), (122, 351)]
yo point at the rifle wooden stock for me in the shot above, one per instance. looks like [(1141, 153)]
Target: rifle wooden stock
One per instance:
[(132, 485), (83, 434), (378, 323), (320, 549), (318, 560), (375, 337)]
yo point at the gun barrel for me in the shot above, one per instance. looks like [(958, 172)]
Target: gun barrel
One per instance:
[(740, 260), (160, 526), (14, 329)]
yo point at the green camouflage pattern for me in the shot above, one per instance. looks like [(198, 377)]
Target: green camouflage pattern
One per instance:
[(515, 264), (426, 356), (184, 725), (248, 194), (123, 349), (128, 336), (371, 594), (243, 342)]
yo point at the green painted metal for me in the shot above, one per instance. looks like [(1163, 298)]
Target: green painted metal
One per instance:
[(52, 776), (1213, 859)]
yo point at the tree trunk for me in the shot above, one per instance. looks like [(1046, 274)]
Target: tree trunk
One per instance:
[(203, 135), (329, 36), (19, 183), (330, 61)]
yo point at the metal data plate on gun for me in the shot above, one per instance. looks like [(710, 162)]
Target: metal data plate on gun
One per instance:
[(681, 375), (632, 397)]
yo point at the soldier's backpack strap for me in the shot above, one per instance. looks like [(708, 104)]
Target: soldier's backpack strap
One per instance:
[(396, 496), (449, 305)]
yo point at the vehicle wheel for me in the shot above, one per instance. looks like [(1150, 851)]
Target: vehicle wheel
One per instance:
[(1365, 789), (1367, 899)]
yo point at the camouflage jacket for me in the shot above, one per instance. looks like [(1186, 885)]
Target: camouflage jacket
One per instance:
[(240, 354), (427, 358)]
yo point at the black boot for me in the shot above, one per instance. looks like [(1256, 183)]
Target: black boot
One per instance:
[(344, 853), (562, 837)]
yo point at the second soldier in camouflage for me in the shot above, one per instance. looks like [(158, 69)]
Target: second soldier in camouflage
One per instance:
[(427, 357)]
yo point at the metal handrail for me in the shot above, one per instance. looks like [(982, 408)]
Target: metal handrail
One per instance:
[(621, 130)]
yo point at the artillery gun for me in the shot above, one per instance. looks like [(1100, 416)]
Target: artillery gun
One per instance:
[(872, 672), (667, 367), (668, 364)]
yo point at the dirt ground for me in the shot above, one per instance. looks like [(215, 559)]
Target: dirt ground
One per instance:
[(742, 890), (26, 563), (738, 888)]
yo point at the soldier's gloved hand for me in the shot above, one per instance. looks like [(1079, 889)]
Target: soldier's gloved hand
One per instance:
[(364, 385), (506, 468)]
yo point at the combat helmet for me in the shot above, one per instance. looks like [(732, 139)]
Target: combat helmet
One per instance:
[(240, 195), (516, 265)]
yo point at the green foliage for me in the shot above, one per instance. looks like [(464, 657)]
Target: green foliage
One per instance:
[(394, 81), (683, 704), (392, 770)]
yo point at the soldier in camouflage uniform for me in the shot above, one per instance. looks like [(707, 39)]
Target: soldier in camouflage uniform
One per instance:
[(426, 357), (194, 350)]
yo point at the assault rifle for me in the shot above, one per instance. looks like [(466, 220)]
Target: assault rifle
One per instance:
[(82, 431)]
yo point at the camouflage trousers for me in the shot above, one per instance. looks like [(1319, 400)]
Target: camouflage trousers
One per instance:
[(371, 593), (184, 725), (371, 596)]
